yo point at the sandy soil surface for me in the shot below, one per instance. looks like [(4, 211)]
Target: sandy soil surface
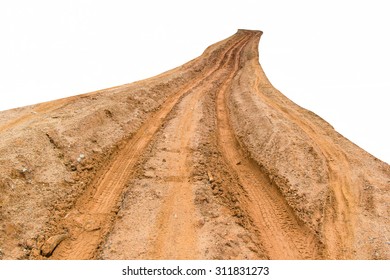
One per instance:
[(205, 161)]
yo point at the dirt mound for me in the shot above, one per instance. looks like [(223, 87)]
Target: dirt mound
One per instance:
[(205, 161)]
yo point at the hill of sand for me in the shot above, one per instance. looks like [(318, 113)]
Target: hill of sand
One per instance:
[(205, 161)]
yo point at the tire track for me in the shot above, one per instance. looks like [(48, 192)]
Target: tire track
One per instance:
[(210, 158), (95, 211), (338, 221), (176, 224), (281, 233)]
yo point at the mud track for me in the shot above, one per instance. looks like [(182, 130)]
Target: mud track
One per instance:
[(91, 219), (283, 235), (205, 161), (338, 218)]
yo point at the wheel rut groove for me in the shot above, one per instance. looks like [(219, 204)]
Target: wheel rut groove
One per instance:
[(283, 235), (205, 161), (99, 204)]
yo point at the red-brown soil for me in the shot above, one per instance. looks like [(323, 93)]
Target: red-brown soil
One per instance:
[(205, 161)]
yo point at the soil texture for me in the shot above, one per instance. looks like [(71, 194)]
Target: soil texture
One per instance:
[(205, 161)]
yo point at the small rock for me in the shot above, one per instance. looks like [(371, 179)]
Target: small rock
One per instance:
[(40, 241), (88, 167), (69, 180), (211, 178), (215, 191), (96, 150), (201, 222), (34, 253), (149, 174), (30, 243), (92, 226), (52, 243), (80, 158)]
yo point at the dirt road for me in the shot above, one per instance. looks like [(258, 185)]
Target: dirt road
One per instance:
[(205, 161)]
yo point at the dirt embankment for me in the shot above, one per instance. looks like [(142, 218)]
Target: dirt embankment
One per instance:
[(205, 161), (327, 180)]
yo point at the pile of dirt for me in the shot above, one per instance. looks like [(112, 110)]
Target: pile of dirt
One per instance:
[(205, 161)]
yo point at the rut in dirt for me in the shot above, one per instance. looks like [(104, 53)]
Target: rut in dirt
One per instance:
[(282, 233), (205, 161), (95, 210), (175, 226)]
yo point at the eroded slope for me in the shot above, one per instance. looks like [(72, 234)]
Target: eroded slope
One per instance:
[(206, 161)]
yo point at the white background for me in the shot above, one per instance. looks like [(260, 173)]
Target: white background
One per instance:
[(331, 57), (112, 270)]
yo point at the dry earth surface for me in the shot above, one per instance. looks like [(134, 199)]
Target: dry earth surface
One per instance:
[(205, 161)]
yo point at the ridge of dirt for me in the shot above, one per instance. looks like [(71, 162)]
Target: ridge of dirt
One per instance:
[(316, 169), (282, 233), (108, 187), (172, 219), (44, 182), (205, 161), (184, 209)]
